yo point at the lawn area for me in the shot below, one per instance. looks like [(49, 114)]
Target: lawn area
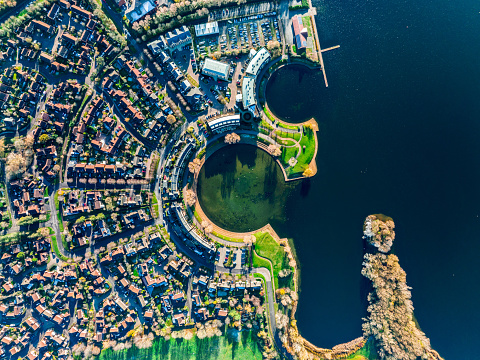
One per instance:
[(285, 126), (55, 248), (266, 125), (235, 345), (237, 240), (156, 213), (267, 247), (258, 262), (192, 80), (270, 116), (195, 213), (155, 206), (306, 155), (284, 134), (288, 153), (59, 216), (286, 142), (308, 24)]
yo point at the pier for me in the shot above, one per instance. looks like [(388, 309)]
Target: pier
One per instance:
[(312, 11)]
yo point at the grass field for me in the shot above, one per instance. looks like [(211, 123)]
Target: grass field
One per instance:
[(306, 155), (267, 247), (258, 262), (270, 116), (286, 142), (308, 24), (285, 126), (55, 248), (237, 240), (288, 153), (285, 134), (235, 345), (59, 216)]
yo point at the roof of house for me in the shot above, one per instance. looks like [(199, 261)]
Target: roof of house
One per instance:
[(206, 29), (216, 67), (139, 9)]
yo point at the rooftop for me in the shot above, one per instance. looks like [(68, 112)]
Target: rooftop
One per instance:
[(139, 9), (261, 57), (216, 67), (206, 29)]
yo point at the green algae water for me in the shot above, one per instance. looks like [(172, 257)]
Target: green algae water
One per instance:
[(399, 135), (242, 188)]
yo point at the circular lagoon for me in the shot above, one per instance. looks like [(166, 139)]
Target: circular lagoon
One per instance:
[(294, 82), (241, 188)]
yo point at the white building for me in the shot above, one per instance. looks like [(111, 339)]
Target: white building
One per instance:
[(259, 60), (225, 123), (210, 28), (216, 69)]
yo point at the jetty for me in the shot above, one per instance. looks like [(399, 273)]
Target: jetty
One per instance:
[(312, 11)]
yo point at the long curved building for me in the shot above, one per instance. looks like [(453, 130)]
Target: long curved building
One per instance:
[(256, 64)]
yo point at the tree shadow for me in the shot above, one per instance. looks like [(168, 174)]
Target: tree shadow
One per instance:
[(305, 187)]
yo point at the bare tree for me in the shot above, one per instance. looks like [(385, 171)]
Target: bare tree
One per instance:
[(190, 197), (194, 166), (232, 138)]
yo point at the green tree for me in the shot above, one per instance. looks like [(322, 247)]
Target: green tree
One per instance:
[(21, 255), (80, 220), (26, 220), (44, 138), (101, 216)]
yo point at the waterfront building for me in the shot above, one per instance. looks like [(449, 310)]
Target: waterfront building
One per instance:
[(224, 123), (216, 69), (210, 28), (300, 32), (259, 60)]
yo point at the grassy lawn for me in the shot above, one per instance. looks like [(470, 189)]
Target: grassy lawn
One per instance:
[(267, 247), (192, 80), (258, 262), (296, 136), (288, 153), (55, 248), (270, 116), (155, 210), (306, 155), (286, 142), (199, 219), (59, 216), (285, 126), (266, 125), (234, 345), (308, 24), (237, 240)]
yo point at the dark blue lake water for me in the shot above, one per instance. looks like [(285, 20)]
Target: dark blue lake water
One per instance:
[(399, 135)]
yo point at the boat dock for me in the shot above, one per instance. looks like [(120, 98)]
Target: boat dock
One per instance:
[(312, 11)]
